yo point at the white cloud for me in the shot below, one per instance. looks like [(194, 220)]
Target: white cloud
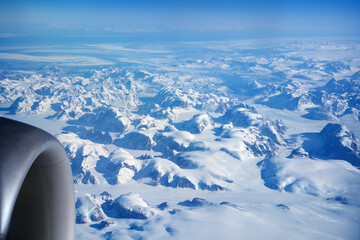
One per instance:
[(64, 60), (7, 35), (115, 47)]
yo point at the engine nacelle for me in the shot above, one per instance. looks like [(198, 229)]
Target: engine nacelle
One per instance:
[(36, 186)]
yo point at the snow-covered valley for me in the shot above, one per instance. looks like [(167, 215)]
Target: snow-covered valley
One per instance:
[(200, 140)]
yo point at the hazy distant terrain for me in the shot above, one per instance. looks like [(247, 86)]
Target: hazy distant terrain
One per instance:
[(257, 138)]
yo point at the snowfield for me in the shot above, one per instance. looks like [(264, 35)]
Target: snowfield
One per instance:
[(201, 140)]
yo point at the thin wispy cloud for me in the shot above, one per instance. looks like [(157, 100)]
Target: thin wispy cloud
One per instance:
[(62, 60), (116, 47), (8, 35)]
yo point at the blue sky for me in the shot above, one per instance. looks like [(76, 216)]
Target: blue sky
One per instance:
[(277, 16)]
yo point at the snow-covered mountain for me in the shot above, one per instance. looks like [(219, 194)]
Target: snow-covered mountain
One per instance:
[(84, 155), (179, 146), (335, 142), (129, 205), (331, 101)]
